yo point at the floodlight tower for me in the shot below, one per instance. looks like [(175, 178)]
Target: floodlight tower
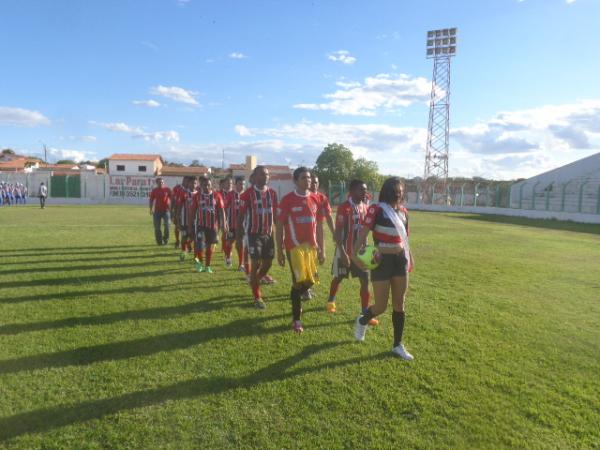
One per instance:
[(441, 47)]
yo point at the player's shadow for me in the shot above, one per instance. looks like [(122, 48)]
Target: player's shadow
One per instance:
[(43, 262), (159, 313), (66, 251), (43, 420), (86, 279), (551, 224), (87, 293), (148, 346), (77, 268)]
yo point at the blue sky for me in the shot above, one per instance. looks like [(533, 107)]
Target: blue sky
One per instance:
[(281, 79)]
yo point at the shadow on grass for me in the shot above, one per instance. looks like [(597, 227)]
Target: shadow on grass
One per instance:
[(49, 260), (166, 312), (86, 279), (75, 268), (40, 252), (552, 224), (147, 346), (103, 292), (50, 418)]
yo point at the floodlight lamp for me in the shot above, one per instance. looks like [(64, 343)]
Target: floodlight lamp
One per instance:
[(429, 51), (438, 33), (430, 34), (429, 42), (445, 31), (453, 31)]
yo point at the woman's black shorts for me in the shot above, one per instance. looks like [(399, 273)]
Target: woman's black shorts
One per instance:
[(391, 265)]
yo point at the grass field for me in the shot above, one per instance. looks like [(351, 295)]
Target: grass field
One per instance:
[(106, 340)]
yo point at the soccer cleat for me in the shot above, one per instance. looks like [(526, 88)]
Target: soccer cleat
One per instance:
[(308, 295), (373, 322), (259, 303), (331, 307), (228, 262), (199, 265), (207, 269), (360, 330), (401, 352), (182, 257), (176, 245), (241, 269), (297, 326)]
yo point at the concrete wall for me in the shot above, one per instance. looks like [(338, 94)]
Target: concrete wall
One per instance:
[(132, 167)]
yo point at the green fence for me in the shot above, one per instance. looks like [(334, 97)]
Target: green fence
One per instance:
[(337, 193), (65, 186)]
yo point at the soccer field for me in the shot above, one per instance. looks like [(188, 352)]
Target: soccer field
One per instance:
[(106, 340)]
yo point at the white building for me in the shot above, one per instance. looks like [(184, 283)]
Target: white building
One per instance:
[(134, 164), (573, 188)]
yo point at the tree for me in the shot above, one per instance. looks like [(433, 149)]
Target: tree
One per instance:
[(334, 164), (367, 171), (103, 163), (66, 161), (195, 163)]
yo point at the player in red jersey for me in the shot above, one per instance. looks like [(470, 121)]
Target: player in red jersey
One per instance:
[(257, 211), (323, 201), (300, 229), (206, 218), (388, 221), (174, 217), (225, 186), (349, 221), (160, 206), (183, 204), (232, 212)]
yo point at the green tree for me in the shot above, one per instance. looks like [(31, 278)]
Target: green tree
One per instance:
[(66, 161), (334, 164), (367, 171), (195, 163)]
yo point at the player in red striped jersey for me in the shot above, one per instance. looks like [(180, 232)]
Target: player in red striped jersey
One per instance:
[(258, 206), (300, 229), (225, 186), (207, 216), (174, 217), (349, 221), (323, 202), (232, 212), (183, 204)]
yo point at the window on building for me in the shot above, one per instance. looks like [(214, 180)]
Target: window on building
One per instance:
[(141, 168), (120, 168)]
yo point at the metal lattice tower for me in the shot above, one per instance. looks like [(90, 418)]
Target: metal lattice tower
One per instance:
[(441, 47)]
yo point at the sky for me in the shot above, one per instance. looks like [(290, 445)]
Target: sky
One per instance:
[(218, 80)]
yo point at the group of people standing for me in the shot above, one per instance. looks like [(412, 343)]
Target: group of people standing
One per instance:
[(262, 228), (13, 194)]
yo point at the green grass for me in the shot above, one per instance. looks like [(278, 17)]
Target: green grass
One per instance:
[(107, 341)]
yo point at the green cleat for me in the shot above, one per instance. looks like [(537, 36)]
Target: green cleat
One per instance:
[(182, 257), (199, 265), (207, 269)]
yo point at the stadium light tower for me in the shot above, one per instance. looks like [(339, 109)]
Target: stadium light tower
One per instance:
[(441, 47)]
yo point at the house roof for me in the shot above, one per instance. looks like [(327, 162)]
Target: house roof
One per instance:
[(183, 171), (237, 167), (59, 166), (280, 176), (276, 167), (13, 164), (134, 157)]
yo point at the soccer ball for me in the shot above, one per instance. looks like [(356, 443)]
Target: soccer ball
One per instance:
[(370, 257)]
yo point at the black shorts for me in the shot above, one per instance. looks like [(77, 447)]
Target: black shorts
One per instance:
[(205, 237), (390, 266), (261, 246), (338, 270)]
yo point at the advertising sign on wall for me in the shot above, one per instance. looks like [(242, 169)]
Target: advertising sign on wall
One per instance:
[(124, 186)]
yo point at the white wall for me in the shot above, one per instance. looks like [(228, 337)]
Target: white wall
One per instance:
[(131, 167)]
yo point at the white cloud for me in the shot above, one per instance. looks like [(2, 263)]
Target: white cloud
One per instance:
[(570, 2), (75, 155), (183, 2), (381, 92), (242, 130), (147, 103), (342, 56), (175, 93), (140, 133), (22, 117), (237, 55)]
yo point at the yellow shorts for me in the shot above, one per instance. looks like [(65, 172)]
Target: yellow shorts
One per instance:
[(303, 262)]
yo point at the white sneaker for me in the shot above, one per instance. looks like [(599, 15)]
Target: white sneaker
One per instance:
[(401, 352), (360, 330)]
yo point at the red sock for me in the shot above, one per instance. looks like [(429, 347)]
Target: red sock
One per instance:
[(365, 296), (227, 248), (209, 252), (200, 255), (256, 290), (335, 284)]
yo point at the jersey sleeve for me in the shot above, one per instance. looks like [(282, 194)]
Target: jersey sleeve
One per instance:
[(219, 202), (283, 211), (340, 217), (153, 194), (275, 200), (325, 206), (370, 217), (244, 201)]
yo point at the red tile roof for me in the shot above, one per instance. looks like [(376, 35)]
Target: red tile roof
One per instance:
[(134, 157), (237, 167), (182, 171)]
